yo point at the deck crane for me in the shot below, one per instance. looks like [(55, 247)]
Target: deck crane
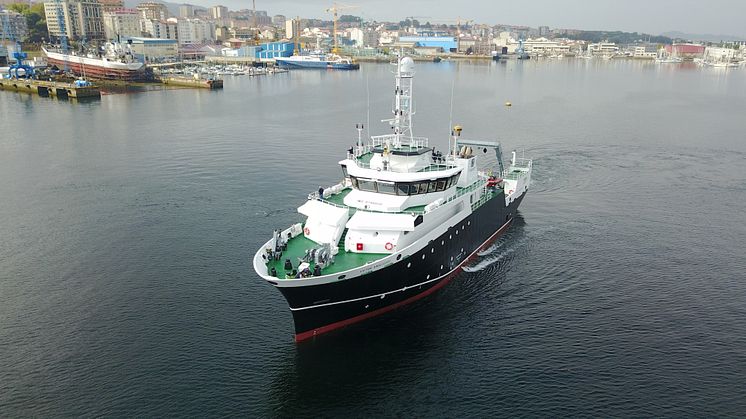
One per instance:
[(63, 30), (333, 10)]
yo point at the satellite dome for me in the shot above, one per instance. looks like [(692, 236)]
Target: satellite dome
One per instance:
[(407, 65)]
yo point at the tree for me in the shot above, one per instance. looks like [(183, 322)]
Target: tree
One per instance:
[(36, 20)]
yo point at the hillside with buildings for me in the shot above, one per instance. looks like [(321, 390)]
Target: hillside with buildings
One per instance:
[(166, 32)]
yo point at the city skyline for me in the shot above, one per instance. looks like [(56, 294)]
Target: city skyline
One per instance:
[(689, 16)]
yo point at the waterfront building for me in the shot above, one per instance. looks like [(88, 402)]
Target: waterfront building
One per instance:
[(163, 29), (186, 10), (289, 28), (218, 12), (686, 51), (540, 46), (82, 18), (279, 20), (543, 31), (14, 23), (603, 48), (199, 51), (111, 5), (122, 23), (645, 51), (276, 50), (446, 43), (246, 34), (149, 50), (153, 10), (194, 31), (720, 55)]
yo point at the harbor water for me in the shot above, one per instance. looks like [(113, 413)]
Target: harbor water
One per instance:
[(127, 226)]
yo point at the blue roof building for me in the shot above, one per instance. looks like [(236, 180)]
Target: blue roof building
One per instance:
[(448, 43)]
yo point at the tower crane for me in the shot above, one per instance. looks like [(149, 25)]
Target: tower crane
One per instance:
[(63, 30), (253, 23), (333, 10)]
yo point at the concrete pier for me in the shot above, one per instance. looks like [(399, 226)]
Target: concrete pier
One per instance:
[(50, 88), (191, 82)]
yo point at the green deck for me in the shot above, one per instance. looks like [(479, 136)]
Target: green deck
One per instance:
[(343, 261), (339, 198)]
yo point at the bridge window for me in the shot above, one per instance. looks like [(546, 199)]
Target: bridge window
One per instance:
[(366, 185), (432, 186), (402, 188), (387, 188)]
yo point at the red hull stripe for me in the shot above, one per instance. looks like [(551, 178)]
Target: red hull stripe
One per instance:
[(95, 71), (446, 279)]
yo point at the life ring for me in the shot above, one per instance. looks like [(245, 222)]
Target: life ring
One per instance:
[(389, 246), (306, 231)]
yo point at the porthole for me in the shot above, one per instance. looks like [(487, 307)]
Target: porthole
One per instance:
[(423, 256), (462, 250), (450, 237), (463, 227), (432, 250), (457, 232), (442, 242), (398, 257), (468, 222), (441, 267), (428, 277), (451, 258), (409, 265)]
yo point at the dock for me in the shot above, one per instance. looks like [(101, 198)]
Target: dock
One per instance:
[(192, 82), (46, 88)]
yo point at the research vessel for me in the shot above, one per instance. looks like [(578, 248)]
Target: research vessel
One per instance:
[(401, 224)]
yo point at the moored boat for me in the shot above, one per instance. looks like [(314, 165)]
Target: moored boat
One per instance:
[(401, 224), (318, 61)]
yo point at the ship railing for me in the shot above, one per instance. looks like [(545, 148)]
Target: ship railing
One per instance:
[(412, 142), (435, 167)]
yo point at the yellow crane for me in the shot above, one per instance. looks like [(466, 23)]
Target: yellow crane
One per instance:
[(333, 10)]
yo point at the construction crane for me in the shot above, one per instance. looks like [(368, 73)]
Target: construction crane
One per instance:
[(17, 53), (253, 23), (63, 31), (333, 10)]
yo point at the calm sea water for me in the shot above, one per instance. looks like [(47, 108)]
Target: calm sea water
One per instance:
[(127, 226)]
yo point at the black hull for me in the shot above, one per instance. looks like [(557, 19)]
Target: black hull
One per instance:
[(321, 308)]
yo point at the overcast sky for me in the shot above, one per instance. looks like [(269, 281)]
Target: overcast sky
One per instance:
[(726, 17)]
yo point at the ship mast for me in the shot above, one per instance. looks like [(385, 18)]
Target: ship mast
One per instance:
[(402, 120)]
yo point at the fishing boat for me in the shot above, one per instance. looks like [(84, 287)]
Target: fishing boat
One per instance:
[(400, 225), (665, 57), (318, 61), (116, 61)]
